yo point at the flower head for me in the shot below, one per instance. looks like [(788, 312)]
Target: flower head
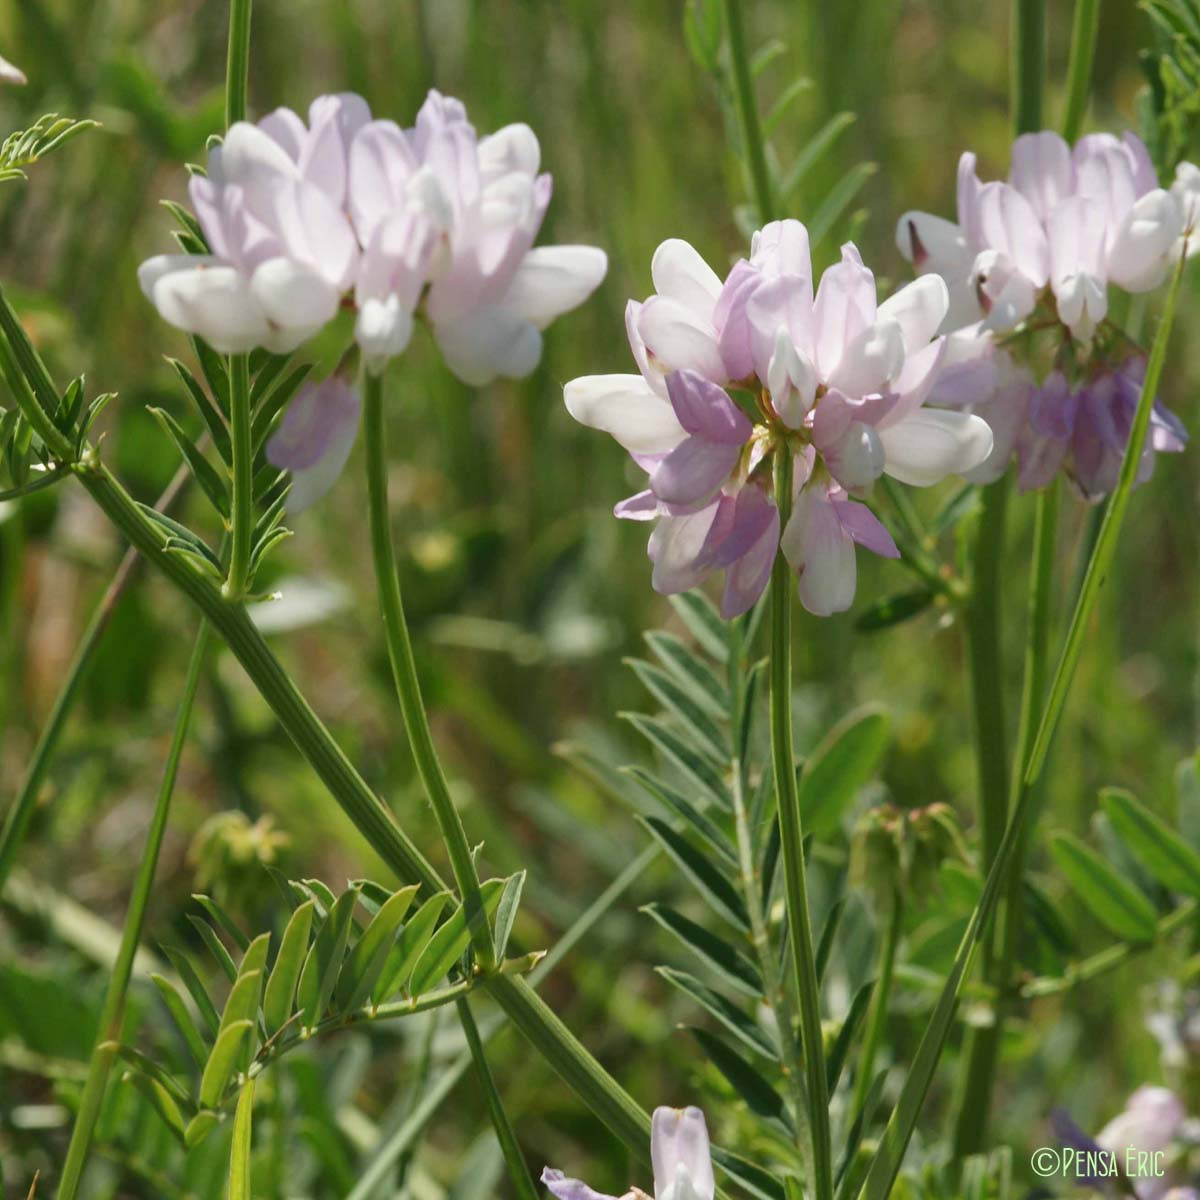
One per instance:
[(438, 205), (301, 218), (681, 1156), (1028, 266), (830, 376)]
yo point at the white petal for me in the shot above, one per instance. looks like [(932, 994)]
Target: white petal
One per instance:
[(856, 460), (919, 309), (248, 152), (791, 380), (676, 338), (674, 548), (870, 361), (678, 271), (513, 148), (383, 329), (931, 444), (552, 280), (1140, 254), (215, 303), (1008, 225), (1042, 170), (293, 297), (933, 244), (627, 407), (822, 552), (843, 309), (487, 343)]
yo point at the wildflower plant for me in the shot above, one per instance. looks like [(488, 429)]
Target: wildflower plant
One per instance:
[(780, 417)]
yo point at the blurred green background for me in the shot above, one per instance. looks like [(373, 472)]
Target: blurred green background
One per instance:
[(523, 591)]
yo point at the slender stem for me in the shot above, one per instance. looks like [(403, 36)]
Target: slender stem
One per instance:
[(1028, 63), (777, 995), (518, 1168), (237, 66), (1079, 68), (987, 667), (241, 523), (792, 845), (753, 145), (404, 672), (877, 1014), (241, 526), (113, 1013), (886, 1164)]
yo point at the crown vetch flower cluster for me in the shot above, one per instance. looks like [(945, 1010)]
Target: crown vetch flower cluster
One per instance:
[(832, 378), (1028, 266), (301, 218)]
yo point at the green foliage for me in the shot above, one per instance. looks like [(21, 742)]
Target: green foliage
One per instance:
[(26, 146), (341, 960), (1170, 105)]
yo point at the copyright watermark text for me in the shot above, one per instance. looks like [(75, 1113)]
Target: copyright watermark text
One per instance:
[(1069, 1163)]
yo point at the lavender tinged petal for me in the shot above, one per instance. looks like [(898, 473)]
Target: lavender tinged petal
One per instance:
[(693, 471), (643, 506), (706, 411), (865, 528), (570, 1189), (314, 439)]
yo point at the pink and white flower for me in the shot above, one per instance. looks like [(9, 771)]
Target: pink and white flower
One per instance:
[(436, 206), (302, 218), (839, 382), (1039, 251)]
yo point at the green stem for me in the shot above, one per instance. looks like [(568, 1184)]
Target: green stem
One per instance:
[(241, 522), (404, 672), (113, 1013), (792, 845), (886, 1164), (241, 527), (1028, 64), (237, 65), (777, 995), (877, 1014), (1079, 68), (518, 1168), (753, 145), (983, 630)]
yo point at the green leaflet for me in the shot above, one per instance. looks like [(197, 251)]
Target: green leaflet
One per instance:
[(1158, 847), (844, 762), (1113, 900)]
